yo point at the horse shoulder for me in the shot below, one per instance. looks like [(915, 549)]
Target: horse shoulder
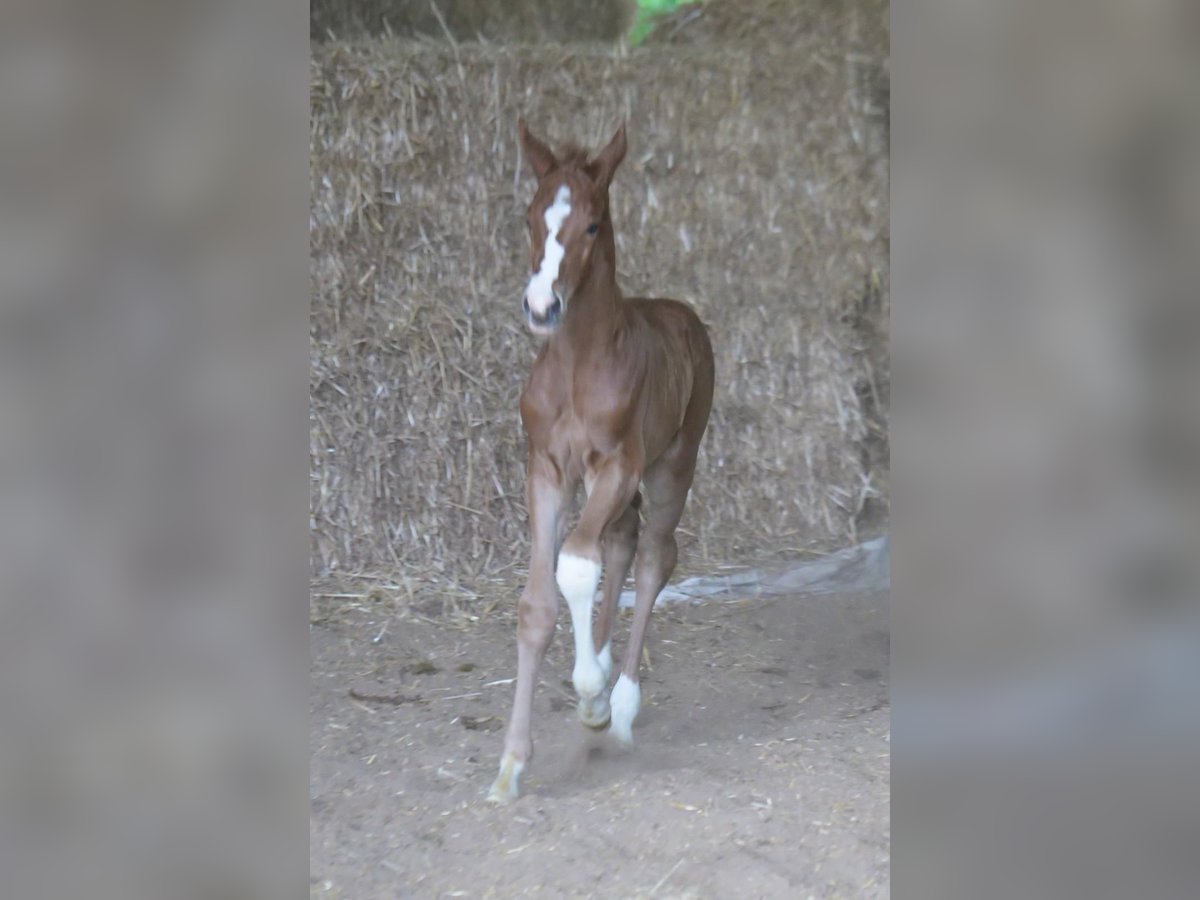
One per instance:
[(544, 395)]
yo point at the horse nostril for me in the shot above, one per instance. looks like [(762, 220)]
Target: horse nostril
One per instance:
[(554, 310), (525, 305)]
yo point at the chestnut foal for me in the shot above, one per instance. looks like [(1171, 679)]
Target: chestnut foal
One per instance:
[(619, 396)]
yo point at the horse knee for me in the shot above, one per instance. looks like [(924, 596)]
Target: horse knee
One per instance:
[(535, 623)]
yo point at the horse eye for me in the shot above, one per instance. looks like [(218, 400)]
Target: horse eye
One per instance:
[(593, 228)]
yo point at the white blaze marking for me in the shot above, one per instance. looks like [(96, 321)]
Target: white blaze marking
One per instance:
[(625, 701), (540, 292), (577, 579)]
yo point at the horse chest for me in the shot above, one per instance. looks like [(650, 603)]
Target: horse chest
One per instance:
[(571, 422)]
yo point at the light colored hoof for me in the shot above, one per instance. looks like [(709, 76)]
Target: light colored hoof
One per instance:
[(506, 787), (594, 712)]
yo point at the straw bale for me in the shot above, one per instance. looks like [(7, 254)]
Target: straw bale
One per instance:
[(860, 30), (512, 21), (756, 23), (755, 188)]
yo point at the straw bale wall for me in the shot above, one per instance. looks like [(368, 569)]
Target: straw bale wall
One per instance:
[(755, 187), (466, 20)]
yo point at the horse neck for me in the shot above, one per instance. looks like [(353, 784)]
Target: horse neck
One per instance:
[(596, 308)]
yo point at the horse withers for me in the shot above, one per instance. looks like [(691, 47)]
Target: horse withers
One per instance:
[(619, 397)]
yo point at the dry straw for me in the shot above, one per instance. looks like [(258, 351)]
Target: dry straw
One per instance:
[(494, 20), (755, 188)]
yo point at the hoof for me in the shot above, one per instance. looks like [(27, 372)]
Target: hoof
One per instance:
[(505, 788), (603, 726), (595, 712), (497, 796)]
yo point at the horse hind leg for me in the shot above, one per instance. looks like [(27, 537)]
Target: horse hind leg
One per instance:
[(657, 552), (620, 544)]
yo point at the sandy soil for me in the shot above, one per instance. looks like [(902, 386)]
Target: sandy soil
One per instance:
[(761, 767)]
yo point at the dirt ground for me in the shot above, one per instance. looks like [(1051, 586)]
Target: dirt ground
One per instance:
[(761, 767)]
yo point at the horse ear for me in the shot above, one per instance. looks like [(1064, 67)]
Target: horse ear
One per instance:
[(605, 164), (541, 160)]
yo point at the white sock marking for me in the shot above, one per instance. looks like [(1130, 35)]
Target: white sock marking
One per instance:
[(605, 660), (577, 579), (625, 701), (540, 293)]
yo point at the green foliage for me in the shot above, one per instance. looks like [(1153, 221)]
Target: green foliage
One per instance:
[(648, 13)]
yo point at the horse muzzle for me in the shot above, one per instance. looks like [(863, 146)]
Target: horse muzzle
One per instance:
[(545, 323)]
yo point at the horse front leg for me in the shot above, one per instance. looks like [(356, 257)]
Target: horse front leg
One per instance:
[(613, 487), (536, 614)]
